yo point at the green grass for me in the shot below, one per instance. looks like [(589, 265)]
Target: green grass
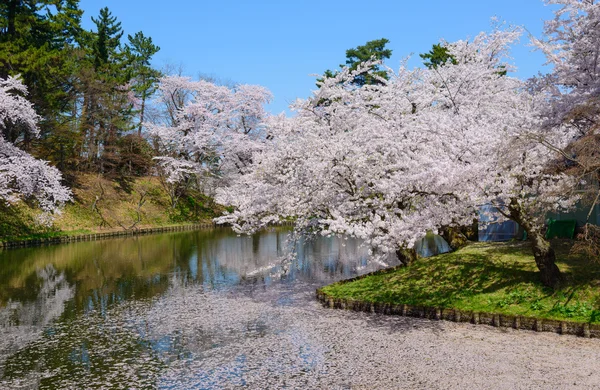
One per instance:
[(487, 277)]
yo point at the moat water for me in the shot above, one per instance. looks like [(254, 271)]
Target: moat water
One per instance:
[(201, 309)]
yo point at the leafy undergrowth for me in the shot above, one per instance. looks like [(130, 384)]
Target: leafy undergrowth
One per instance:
[(487, 277)]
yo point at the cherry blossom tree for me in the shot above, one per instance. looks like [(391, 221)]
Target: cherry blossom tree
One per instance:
[(335, 168), (424, 149), (514, 172), (213, 130), (571, 44), (21, 175)]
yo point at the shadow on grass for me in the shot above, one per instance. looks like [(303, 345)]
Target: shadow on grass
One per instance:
[(441, 283), (487, 277), (577, 268), (519, 248)]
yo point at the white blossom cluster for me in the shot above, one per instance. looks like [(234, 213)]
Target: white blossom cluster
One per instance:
[(214, 132), (572, 46), (420, 150), (22, 175)]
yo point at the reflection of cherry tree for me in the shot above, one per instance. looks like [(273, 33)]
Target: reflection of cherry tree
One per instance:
[(23, 322), (276, 254), (389, 162), (21, 175), (54, 292)]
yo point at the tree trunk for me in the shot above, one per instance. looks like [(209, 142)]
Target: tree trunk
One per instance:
[(543, 253), (454, 237), (545, 259), (11, 18), (406, 256)]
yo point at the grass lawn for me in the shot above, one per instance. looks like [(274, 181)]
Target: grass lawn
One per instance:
[(487, 277)]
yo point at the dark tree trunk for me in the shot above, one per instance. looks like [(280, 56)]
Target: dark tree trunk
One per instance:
[(142, 114), (454, 237), (406, 256), (12, 15), (472, 232), (545, 259), (543, 253)]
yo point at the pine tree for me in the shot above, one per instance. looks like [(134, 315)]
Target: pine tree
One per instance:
[(144, 79), (106, 108), (438, 55), (372, 50)]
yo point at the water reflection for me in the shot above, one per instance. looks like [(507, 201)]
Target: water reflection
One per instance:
[(111, 312)]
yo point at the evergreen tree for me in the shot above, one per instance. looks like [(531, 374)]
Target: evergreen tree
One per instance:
[(106, 40), (36, 41), (438, 55), (83, 84), (372, 50), (106, 108), (144, 78)]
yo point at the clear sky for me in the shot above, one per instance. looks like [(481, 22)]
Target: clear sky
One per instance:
[(280, 43)]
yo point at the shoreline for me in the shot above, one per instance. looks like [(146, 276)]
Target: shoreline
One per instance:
[(114, 233)]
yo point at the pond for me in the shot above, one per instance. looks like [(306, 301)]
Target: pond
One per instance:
[(174, 310)]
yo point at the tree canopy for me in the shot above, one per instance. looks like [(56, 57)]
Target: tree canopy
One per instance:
[(21, 175), (391, 162)]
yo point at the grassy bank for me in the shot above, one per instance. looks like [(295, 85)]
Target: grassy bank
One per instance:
[(486, 277), (101, 205)]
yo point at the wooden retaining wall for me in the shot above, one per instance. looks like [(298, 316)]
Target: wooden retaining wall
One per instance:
[(100, 236), (434, 313)]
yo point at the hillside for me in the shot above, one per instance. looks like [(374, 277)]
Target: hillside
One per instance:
[(102, 205)]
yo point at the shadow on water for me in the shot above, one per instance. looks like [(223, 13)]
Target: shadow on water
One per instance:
[(123, 310)]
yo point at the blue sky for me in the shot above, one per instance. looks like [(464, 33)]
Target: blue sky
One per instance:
[(279, 44)]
